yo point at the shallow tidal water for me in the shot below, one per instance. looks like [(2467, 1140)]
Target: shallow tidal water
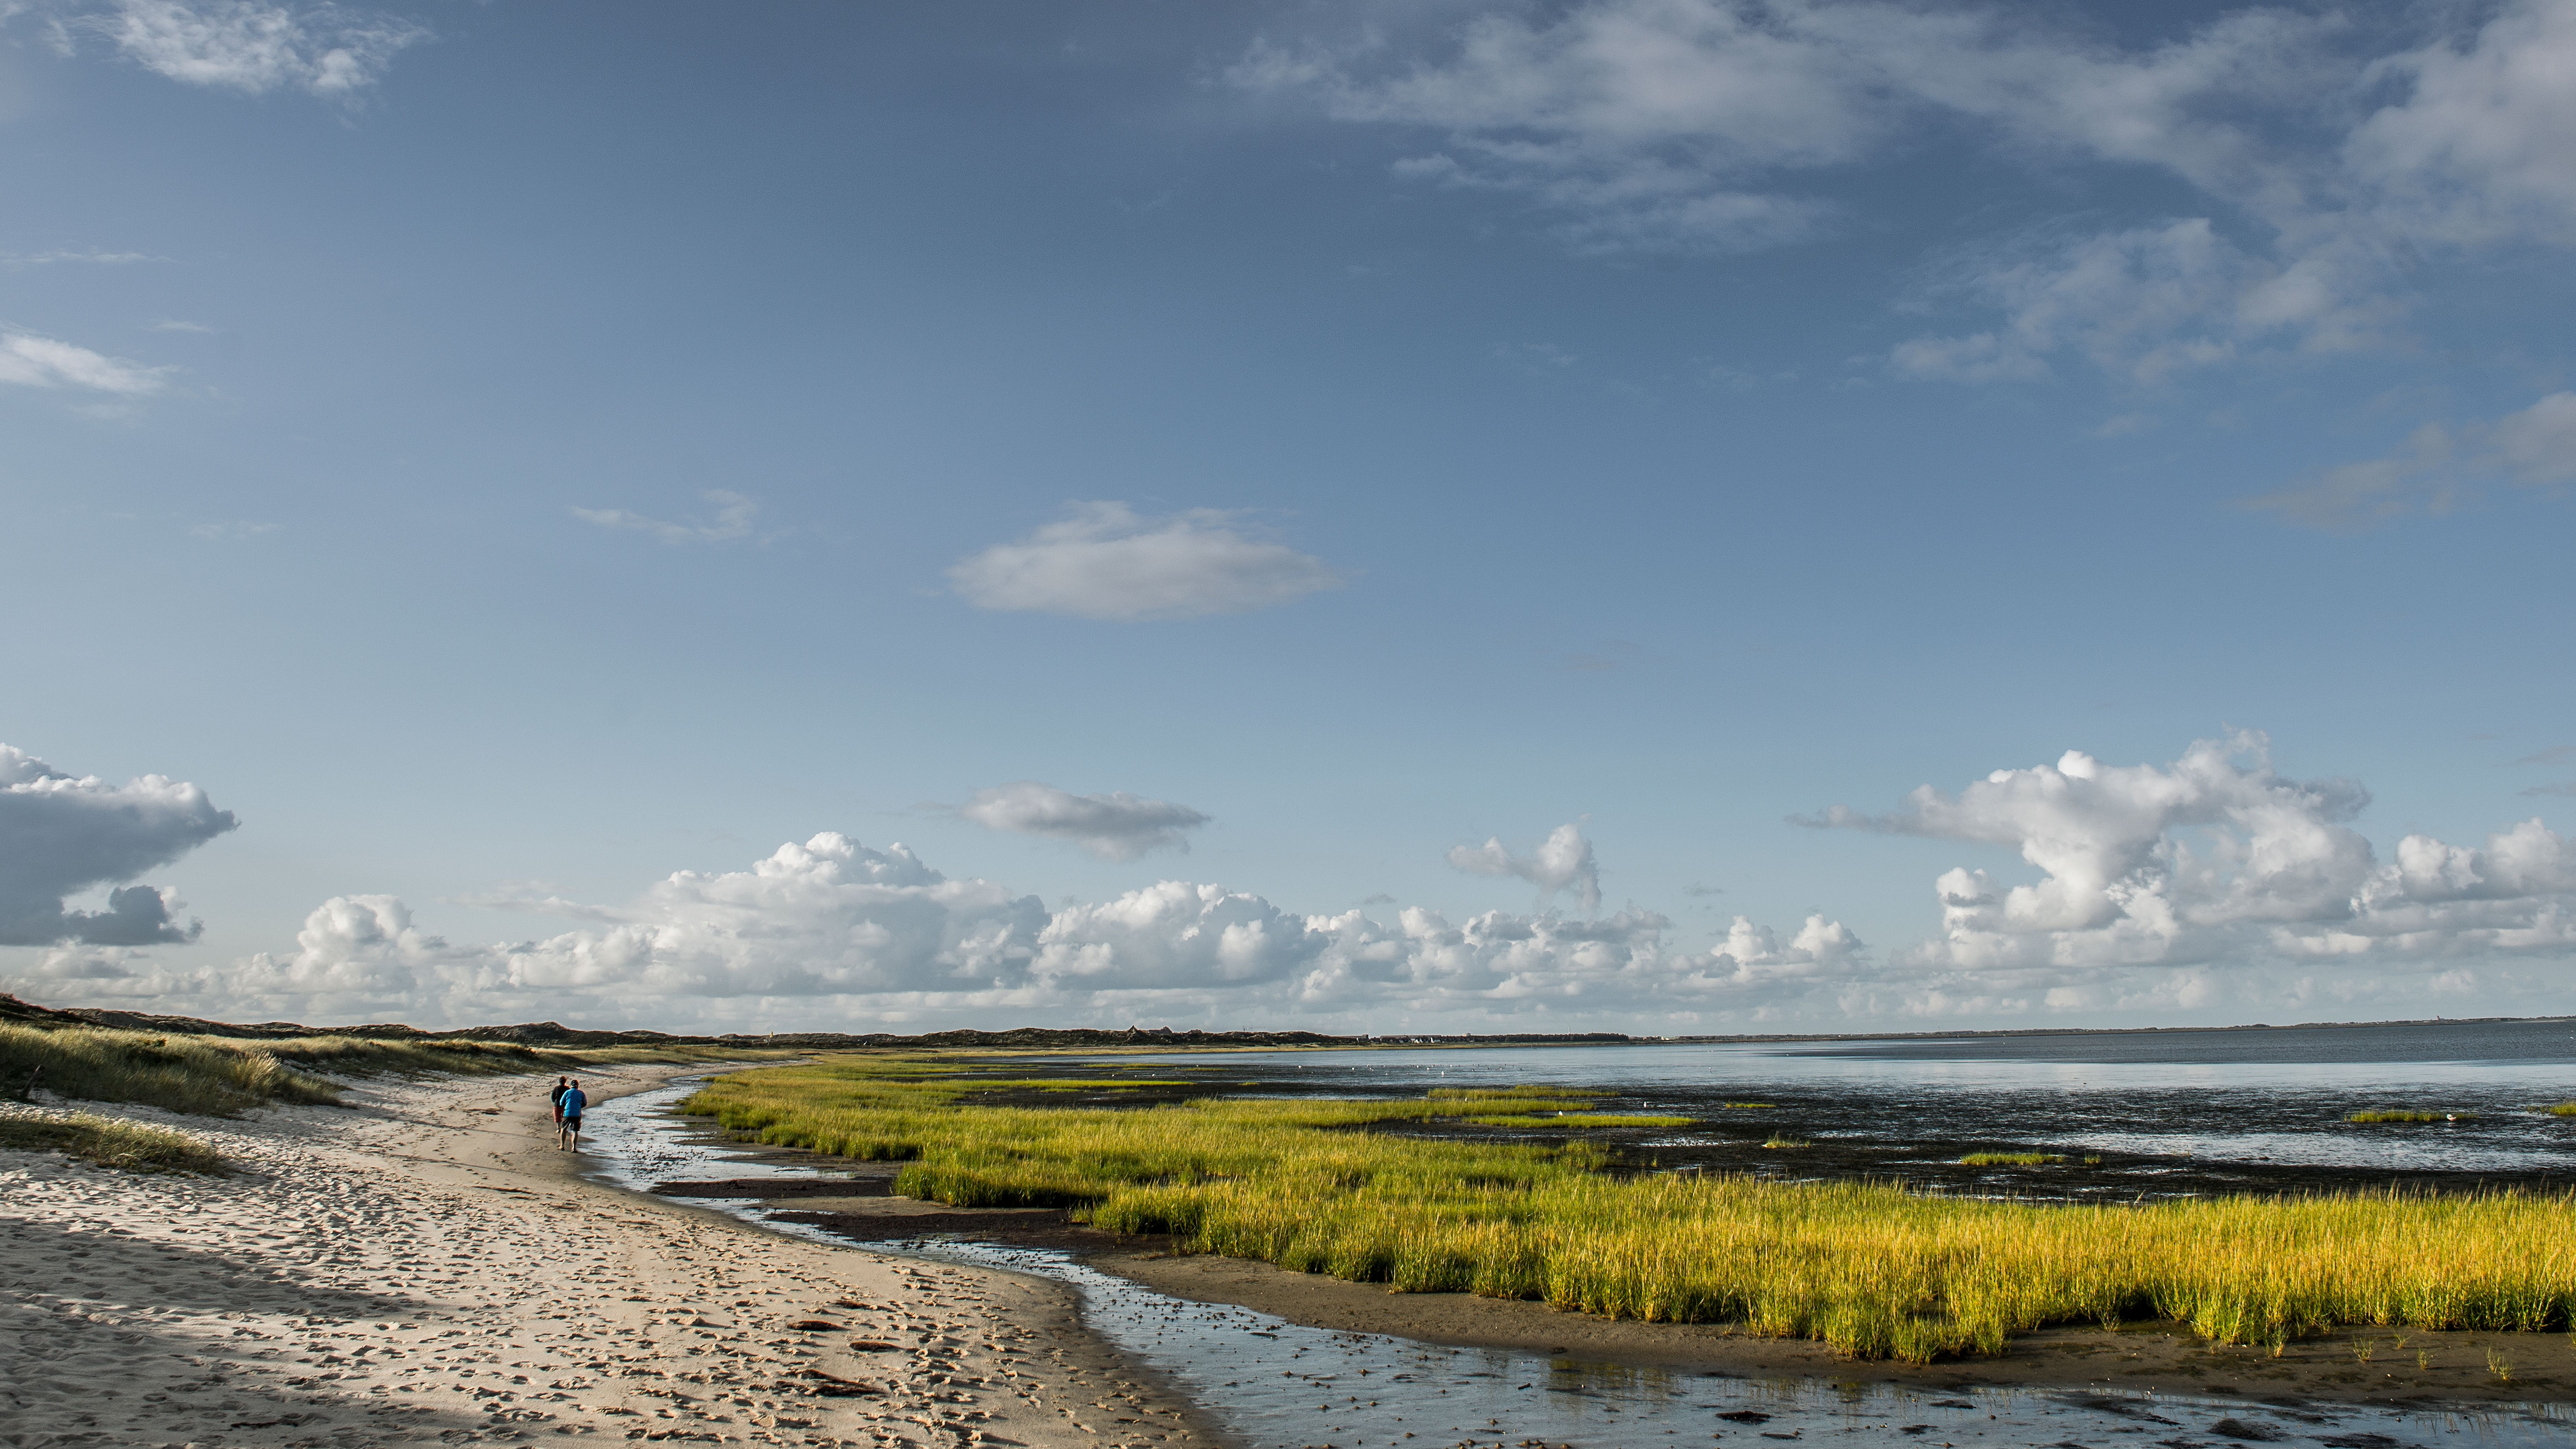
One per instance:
[(1273, 1384), (2170, 1112)]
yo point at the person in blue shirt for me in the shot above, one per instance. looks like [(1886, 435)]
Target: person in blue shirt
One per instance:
[(570, 1105)]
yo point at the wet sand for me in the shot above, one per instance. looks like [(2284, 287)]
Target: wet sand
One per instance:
[(424, 1267)]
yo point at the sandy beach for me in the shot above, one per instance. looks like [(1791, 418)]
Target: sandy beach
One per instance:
[(423, 1266)]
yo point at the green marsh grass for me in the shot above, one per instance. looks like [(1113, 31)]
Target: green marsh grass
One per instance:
[(2013, 1159), (1873, 1269), (1782, 1139), (2563, 1109), (1750, 1106), (134, 1146), (2406, 1116)]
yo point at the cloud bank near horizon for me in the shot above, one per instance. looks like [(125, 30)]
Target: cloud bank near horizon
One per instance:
[(2209, 879)]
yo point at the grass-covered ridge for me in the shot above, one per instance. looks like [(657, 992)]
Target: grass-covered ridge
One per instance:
[(134, 1146), (1873, 1270), (219, 1076)]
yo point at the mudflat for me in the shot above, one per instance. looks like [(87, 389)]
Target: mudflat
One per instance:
[(423, 1266)]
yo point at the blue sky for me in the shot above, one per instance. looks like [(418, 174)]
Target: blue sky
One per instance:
[(481, 477)]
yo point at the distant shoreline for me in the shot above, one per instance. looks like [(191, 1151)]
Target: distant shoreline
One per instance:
[(548, 1033)]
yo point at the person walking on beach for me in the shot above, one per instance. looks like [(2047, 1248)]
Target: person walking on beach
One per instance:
[(562, 1085), (568, 1108)]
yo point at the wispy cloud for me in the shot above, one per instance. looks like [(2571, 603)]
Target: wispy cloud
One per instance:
[(733, 519), (1719, 125), (15, 260), (244, 45), (1109, 562), (33, 361), (2437, 468), (230, 529)]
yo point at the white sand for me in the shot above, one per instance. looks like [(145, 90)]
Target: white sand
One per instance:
[(425, 1269)]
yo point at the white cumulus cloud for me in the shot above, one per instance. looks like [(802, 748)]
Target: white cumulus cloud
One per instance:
[(1563, 861), (1115, 826), (61, 835), (2214, 858), (1107, 561)]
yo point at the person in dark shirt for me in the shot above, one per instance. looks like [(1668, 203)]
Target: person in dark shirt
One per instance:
[(562, 1085), (569, 1106)]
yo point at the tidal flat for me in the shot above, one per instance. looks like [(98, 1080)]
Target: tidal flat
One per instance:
[(1926, 1213)]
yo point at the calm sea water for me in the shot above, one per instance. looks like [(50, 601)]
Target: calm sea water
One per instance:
[(2280, 1096)]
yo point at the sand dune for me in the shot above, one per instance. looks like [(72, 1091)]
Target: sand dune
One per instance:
[(424, 1268)]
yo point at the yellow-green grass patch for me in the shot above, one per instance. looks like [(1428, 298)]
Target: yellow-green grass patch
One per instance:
[(1871, 1268), (2013, 1159)]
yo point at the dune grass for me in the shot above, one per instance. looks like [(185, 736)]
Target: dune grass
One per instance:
[(1872, 1269), (2012, 1159), (225, 1076), (134, 1146), (2406, 1116)]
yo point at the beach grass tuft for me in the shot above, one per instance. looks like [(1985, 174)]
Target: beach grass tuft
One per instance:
[(1873, 1269), (1778, 1140), (2408, 1116), (134, 1146), (2563, 1109), (2013, 1159)]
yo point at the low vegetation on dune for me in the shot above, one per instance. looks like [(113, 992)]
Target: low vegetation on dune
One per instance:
[(1872, 1269), (134, 1146), (207, 1076), (219, 1076)]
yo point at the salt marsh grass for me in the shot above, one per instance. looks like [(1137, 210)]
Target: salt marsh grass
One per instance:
[(2563, 1109), (1872, 1269), (2405, 1116), (134, 1146), (2013, 1159), (1780, 1140)]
